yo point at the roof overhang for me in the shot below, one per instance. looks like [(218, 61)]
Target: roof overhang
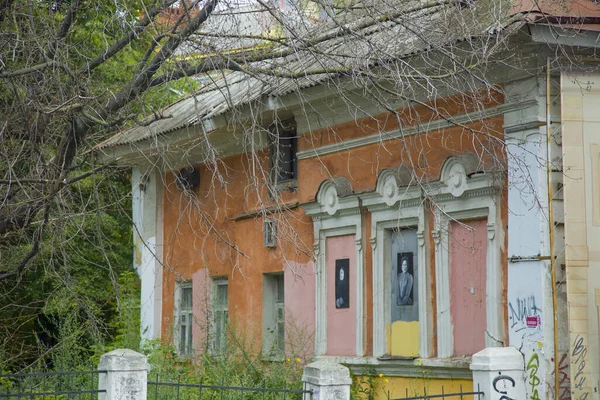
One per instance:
[(210, 138), (218, 136), (206, 141), (566, 35)]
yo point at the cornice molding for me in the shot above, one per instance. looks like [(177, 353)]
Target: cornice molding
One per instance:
[(481, 192), (410, 368), (414, 130)]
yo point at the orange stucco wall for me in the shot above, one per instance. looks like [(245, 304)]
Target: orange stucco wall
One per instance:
[(426, 152), (222, 229)]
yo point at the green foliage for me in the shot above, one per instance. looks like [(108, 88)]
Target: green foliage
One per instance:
[(127, 321), (363, 387), (79, 293), (83, 293), (369, 386), (240, 366)]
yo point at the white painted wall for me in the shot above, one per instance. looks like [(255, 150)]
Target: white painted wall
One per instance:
[(148, 246), (498, 373), (529, 282)]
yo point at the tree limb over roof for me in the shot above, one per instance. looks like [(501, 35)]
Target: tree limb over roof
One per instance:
[(373, 42)]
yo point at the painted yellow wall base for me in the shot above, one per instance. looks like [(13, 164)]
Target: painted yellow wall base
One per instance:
[(378, 387), (403, 338)]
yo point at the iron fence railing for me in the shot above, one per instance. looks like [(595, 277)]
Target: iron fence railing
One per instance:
[(57, 385), (199, 391), (472, 395)]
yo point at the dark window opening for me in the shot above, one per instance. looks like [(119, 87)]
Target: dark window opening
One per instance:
[(284, 144)]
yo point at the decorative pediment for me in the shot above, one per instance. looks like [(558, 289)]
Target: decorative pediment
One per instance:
[(334, 194), (393, 185), (456, 175), (389, 182)]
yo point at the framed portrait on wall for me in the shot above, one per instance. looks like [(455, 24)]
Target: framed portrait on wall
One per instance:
[(342, 283), (405, 279)]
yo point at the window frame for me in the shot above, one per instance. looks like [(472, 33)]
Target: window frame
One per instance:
[(272, 304), (394, 205), (179, 312), (333, 215), (283, 129), (219, 338), (462, 197), (457, 211)]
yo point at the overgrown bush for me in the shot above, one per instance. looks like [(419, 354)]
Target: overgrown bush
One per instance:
[(239, 366)]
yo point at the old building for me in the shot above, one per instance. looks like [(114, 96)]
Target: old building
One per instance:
[(399, 232)]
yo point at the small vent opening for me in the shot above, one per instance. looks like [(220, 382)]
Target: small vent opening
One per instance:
[(270, 233)]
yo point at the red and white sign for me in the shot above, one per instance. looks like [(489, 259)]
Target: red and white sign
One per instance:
[(533, 322)]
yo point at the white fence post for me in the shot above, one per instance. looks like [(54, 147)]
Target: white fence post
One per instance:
[(328, 380), (126, 377), (499, 372)]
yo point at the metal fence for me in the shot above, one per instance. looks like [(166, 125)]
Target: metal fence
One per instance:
[(51, 385), (200, 391), (460, 395)]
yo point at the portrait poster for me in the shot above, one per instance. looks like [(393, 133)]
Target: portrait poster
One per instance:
[(403, 244), (342, 283), (405, 279)]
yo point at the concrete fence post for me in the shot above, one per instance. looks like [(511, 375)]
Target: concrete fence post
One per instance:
[(328, 380), (499, 372), (126, 377)]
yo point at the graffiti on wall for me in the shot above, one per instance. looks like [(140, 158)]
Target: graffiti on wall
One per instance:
[(564, 379), (578, 357), (524, 308), (533, 376), (502, 384), (524, 313)]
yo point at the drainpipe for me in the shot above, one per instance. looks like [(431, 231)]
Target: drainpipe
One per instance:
[(551, 230)]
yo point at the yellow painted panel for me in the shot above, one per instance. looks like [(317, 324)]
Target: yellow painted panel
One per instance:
[(595, 156), (572, 107), (404, 338), (575, 252), (572, 133), (388, 330), (577, 286), (378, 387), (579, 326), (575, 273), (581, 313), (578, 300)]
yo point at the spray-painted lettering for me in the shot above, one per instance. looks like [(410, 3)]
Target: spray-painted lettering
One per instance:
[(495, 384), (564, 379), (533, 366), (519, 310), (578, 356)]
